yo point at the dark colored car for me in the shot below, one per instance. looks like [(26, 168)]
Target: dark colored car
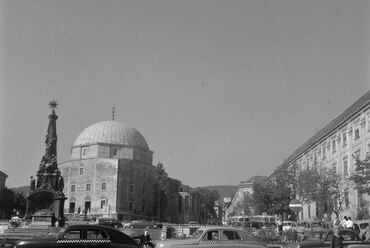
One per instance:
[(349, 238), (82, 236), (110, 222)]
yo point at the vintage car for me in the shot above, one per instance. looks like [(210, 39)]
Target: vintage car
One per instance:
[(349, 238), (215, 236), (110, 222), (85, 235), (140, 224)]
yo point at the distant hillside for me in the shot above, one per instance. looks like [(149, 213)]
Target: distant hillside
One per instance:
[(22, 189), (223, 191)]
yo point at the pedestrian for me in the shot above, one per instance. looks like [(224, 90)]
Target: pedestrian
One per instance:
[(366, 234), (341, 224), (348, 224), (279, 224), (145, 239), (337, 241)]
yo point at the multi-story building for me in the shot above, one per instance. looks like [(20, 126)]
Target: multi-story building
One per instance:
[(3, 177), (335, 145), (111, 174), (235, 206)]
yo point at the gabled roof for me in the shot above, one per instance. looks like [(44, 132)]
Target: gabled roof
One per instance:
[(352, 110)]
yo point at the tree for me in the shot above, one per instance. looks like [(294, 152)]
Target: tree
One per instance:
[(361, 179), (323, 186), (245, 205), (12, 203), (160, 178), (262, 197), (207, 199)]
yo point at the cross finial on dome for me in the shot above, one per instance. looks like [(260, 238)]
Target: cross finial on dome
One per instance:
[(113, 111)]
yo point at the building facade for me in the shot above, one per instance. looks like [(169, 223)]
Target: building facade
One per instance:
[(237, 203), (110, 173), (3, 177), (335, 146)]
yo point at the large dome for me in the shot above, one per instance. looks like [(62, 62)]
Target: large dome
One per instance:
[(111, 132)]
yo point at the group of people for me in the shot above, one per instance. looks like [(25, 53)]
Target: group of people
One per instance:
[(346, 223)]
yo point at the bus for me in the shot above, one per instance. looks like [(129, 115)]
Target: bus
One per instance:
[(263, 221), (240, 221)]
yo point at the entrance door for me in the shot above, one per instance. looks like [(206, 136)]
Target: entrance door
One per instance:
[(87, 207)]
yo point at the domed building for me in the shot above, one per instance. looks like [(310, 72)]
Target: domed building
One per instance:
[(110, 173)]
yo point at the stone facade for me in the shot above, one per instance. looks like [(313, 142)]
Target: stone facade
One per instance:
[(3, 177), (335, 146), (110, 174)]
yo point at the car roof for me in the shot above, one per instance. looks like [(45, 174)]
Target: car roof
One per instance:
[(87, 226), (213, 227)]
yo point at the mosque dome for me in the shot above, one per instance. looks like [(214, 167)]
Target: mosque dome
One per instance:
[(111, 132)]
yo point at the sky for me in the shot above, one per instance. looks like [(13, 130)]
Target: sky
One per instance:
[(221, 90)]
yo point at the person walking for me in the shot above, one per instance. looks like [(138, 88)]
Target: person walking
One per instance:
[(145, 239), (337, 241)]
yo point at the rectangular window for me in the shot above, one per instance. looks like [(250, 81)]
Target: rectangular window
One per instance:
[(130, 206), (144, 190), (88, 187), (309, 211), (345, 166), (103, 186), (144, 174), (344, 135), (131, 188), (102, 204), (324, 152), (357, 133), (143, 206), (73, 188), (72, 206), (334, 147), (82, 170)]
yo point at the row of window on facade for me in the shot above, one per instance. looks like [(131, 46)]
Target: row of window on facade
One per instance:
[(103, 202), (82, 172), (104, 187)]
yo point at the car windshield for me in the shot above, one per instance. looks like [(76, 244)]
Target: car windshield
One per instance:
[(58, 234), (197, 234)]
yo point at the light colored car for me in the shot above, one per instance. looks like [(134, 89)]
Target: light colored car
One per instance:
[(215, 236), (362, 224), (289, 225)]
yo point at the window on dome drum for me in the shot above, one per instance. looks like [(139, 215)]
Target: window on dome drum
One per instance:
[(72, 206), (73, 188), (88, 187), (103, 186), (82, 171)]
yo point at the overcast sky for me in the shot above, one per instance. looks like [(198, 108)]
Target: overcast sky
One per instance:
[(221, 90)]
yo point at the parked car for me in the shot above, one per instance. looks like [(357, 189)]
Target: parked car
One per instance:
[(85, 235), (349, 238), (140, 224), (215, 236), (289, 225), (110, 222), (362, 224), (309, 237)]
